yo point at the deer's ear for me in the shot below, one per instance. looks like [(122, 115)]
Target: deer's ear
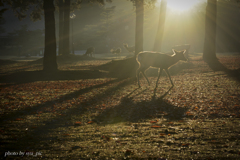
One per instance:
[(174, 52), (184, 51)]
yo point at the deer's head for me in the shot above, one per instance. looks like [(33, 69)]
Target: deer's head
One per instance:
[(179, 55)]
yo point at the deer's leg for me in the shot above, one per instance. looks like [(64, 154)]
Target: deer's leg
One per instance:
[(159, 74), (166, 70), (141, 69), (143, 72), (137, 74)]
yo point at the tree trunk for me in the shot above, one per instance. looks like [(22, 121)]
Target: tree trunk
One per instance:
[(139, 26), (61, 23), (161, 23), (49, 60), (209, 50), (66, 27)]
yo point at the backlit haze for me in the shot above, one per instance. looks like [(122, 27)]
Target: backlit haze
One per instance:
[(182, 5)]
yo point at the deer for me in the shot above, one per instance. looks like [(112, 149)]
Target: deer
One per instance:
[(117, 51), (183, 47), (147, 59), (129, 49), (89, 51)]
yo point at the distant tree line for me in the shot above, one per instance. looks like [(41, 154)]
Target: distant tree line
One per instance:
[(46, 8), (23, 42)]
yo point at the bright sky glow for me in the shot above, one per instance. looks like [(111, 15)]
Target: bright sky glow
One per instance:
[(181, 5)]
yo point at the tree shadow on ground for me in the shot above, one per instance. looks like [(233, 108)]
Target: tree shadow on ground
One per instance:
[(32, 76), (6, 62), (130, 111), (57, 121), (27, 111), (16, 66), (218, 66)]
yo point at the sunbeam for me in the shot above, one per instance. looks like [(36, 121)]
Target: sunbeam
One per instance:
[(181, 5)]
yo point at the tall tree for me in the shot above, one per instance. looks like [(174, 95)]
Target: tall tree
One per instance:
[(139, 26), (49, 60), (161, 23), (66, 28), (209, 50), (140, 22), (64, 21), (20, 9), (2, 10), (2, 20), (61, 24)]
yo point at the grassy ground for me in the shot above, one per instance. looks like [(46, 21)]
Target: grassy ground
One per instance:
[(81, 112)]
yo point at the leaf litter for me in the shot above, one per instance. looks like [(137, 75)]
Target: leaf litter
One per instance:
[(99, 118)]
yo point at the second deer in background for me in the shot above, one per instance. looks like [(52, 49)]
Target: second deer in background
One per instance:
[(158, 60), (90, 51), (117, 51), (129, 49)]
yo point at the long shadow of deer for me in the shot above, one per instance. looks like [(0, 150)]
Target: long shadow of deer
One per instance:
[(131, 111)]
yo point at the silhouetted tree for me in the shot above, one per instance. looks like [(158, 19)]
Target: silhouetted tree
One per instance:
[(2, 10), (65, 7), (66, 27), (209, 50), (140, 22), (61, 25), (2, 21), (20, 9), (161, 23), (49, 61), (139, 26)]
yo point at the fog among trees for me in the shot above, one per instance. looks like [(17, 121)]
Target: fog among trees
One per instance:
[(113, 24)]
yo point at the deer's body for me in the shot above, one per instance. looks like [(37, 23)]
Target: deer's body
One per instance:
[(90, 51), (129, 49), (157, 60), (117, 51)]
